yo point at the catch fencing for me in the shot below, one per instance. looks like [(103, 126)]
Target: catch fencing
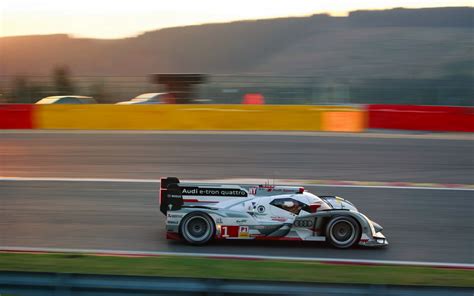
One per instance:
[(276, 89)]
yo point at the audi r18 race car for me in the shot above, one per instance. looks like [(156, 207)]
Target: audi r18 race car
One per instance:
[(198, 212)]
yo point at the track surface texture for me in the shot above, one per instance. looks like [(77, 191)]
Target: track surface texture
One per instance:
[(223, 156), (421, 225)]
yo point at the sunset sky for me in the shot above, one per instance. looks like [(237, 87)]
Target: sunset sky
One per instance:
[(122, 18)]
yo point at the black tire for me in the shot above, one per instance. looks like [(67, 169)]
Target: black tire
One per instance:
[(343, 232), (197, 228)]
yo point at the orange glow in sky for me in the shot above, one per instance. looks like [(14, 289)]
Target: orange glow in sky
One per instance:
[(123, 18)]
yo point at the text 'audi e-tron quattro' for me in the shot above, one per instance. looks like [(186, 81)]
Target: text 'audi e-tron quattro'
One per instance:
[(200, 212)]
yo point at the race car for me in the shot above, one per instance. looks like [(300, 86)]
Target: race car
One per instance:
[(200, 212)]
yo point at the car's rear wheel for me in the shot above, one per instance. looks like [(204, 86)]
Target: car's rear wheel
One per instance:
[(197, 228), (343, 232)]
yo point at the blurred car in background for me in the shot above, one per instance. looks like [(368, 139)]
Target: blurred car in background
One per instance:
[(150, 98), (67, 100)]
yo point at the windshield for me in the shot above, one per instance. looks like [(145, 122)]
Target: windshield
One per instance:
[(47, 101)]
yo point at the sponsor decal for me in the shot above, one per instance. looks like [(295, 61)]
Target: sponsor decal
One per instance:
[(303, 223), (244, 231), (261, 209), (174, 215), (241, 221), (233, 231), (279, 219), (197, 191), (229, 231), (172, 222), (219, 220)]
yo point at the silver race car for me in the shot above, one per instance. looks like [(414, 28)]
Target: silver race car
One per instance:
[(198, 212)]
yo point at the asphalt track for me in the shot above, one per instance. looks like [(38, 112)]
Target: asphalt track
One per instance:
[(194, 156), (421, 225)]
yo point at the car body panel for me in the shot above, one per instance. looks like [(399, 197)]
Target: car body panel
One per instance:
[(262, 212), (147, 99), (70, 99)]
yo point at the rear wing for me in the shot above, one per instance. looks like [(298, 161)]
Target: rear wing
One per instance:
[(169, 197), (174, 194)]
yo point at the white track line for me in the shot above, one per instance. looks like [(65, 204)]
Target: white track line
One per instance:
[(382, 135), (236, 256), (53, 179), (311, 183)]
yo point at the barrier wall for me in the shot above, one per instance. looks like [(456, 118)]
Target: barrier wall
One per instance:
[(200, 117), (237, 117), (344, 121), (426, 118), (16, 116)]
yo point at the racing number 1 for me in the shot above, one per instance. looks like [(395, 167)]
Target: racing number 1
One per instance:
[(224, 231), (234, 231)]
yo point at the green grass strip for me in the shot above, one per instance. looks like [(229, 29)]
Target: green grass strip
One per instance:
[(271, 270)]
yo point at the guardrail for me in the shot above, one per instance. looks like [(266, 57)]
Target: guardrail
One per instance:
[(39, 284)]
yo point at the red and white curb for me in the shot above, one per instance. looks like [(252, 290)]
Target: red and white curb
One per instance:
[(119, 253), (319, 183)]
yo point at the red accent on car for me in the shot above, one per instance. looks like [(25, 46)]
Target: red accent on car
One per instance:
[(201, 201), (162, 189), (277, 238), (190, 200), (173, 236), (314, 207), (229, 231), (301, 190)]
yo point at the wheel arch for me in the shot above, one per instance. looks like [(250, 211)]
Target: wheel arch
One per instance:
[(200, 212), (358, 217)]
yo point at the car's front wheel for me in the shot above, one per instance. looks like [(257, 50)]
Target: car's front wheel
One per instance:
[(197, 228), (343, 232)]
